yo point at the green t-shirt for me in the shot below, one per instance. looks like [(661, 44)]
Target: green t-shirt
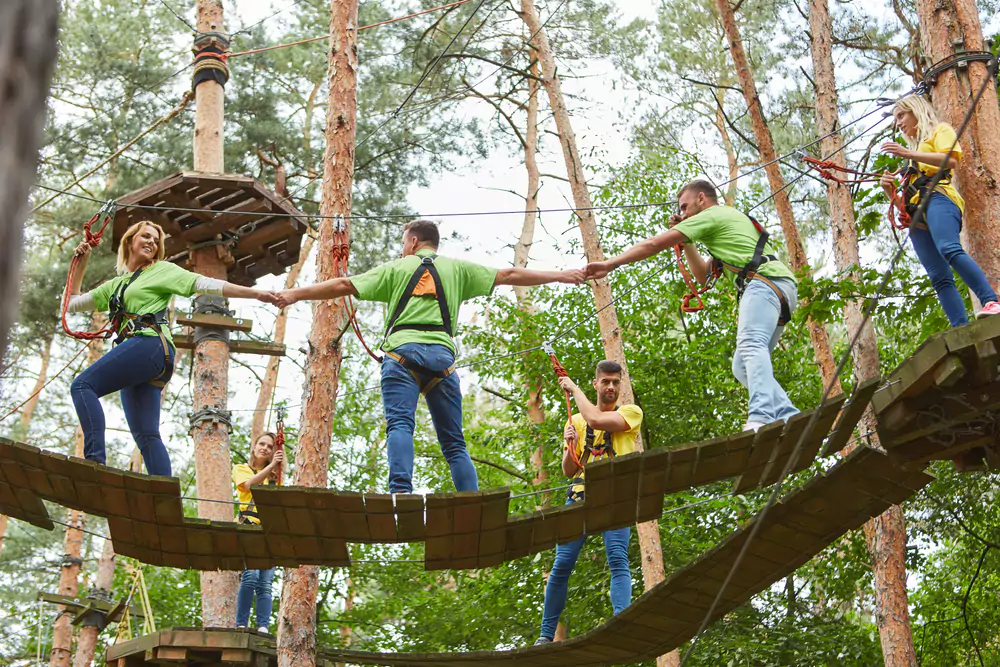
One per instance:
[(731, 237), (461, 281), (150, 293)]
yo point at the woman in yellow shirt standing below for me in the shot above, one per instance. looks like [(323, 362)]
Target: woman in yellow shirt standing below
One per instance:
[(265, 467), (936, 238)]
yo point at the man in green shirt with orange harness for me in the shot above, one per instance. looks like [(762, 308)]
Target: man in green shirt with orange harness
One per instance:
[(766, 288), (424, 291)]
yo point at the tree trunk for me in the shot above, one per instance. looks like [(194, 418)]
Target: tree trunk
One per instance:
[(885, 535), (210, 362), (29, 408), (607, 317), (28, 40), (765, 145), (297, 620), (86, 643), (947, 27), (727, 143), (69, 574)]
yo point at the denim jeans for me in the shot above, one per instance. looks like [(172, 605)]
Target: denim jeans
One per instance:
[(756, 337), (616, 549), (939, 250), (400, 391), (254, 582), (127, 368)]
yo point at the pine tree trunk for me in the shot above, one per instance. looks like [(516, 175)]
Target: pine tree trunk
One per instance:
[(297, 619), (885, 535), (86, 643), (607, 317), (210, 359), (947, 27), (28, 48), (69, 574), (765, 145), (28, 411)]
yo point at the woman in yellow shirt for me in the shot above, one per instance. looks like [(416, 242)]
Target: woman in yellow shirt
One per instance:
[(937, 242), (265, 467)]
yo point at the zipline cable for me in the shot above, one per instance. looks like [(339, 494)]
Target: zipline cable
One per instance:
[(845, 357)]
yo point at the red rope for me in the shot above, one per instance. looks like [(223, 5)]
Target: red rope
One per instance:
[(826, 169), (561, 372), (341, 252), (694, 292), (279, 442), (93, 239)]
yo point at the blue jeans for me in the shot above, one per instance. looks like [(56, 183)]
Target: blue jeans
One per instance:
[(127, 368), (616, 549), (939, 250), (757, 335), (254, 582), (400, 390)]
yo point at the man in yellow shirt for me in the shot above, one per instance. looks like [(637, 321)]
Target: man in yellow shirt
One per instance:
[(597, 431)]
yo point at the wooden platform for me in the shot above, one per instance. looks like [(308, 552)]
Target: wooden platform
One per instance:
[(794, 531), (461, 530), (223, 204)]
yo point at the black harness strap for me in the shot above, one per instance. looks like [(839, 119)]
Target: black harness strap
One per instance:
[(918, 185), (591, 451), (749, 272), (426, 265), (244, 516), (128, 324)]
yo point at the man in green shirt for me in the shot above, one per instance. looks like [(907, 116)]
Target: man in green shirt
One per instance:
[(767, 291), (423, 292)]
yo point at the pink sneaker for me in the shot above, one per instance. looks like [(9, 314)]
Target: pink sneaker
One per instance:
[(992, 308)]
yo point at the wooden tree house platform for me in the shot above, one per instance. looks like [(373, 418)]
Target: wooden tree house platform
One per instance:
[(198, 208)]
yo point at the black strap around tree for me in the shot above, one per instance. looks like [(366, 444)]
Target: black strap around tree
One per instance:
[(426, 265)]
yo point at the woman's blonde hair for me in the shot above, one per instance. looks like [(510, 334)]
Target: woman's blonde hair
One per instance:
[(125, 247), (922, 110), (276, 476)]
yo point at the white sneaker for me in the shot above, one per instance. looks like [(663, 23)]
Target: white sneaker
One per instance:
[(753, 426), (263, 629), (992, 308)]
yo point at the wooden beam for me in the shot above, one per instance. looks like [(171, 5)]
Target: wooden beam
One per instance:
[(186, 342), (214, 321)]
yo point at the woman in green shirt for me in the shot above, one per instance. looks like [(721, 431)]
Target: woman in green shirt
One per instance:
[(142, 363)]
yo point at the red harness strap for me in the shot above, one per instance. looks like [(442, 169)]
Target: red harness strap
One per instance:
[(93, 239), (560, 371)]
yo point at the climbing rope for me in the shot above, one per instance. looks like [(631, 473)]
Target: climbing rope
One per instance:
[(279, 440), (341, 250), (694, 292), (898, 216), (560, 372), (104, 216)]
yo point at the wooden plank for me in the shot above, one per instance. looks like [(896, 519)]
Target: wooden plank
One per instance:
[(914, 374), (381, 514), (791, 438), (236, 346), (410, 517), (627, 469), (986, 363), (214, 321), (949, 372), (763, 445), (850, 416)]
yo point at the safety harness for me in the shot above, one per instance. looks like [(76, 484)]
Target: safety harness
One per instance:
[(591, 451), (425, 281), (127, 325), (244, 515), (917, 184), (744, 275)]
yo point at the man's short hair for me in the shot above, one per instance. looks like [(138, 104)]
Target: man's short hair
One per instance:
[(701, 186), (425, 231), (608, 367)]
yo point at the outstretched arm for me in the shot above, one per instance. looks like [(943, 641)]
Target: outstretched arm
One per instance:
[(637, 253), (529, 277), (330, 289)]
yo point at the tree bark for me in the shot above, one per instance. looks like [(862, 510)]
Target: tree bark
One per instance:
[(210, 361), (765, 145), (69, 574), (947, 27), (607, 317), (885, 535), (28, 48), (86, 643), (297, 620)]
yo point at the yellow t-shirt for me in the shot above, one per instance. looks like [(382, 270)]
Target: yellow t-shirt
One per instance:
[(941, 141), (241, 473), (623, 442)]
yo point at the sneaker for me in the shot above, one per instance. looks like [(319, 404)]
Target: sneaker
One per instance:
[(753, 426), (263, 629), (542, 641), (992, 308)]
